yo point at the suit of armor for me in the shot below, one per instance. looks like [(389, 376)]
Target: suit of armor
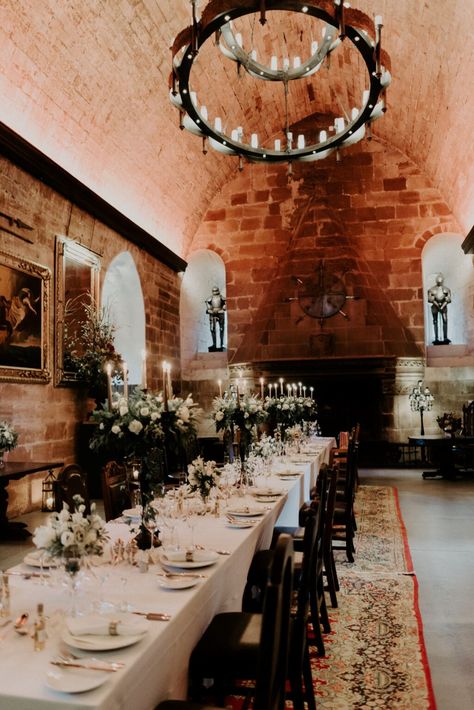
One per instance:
[(216, 307)]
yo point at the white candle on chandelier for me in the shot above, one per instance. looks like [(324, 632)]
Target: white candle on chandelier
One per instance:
[(277, 144), (296, 62), (311, 391), (300, 388), (304, 391), (218, 124), (295, 390), (254, 140), (301, 141), (238, 39), (143, 378), (281, 384), (288, 390), (235, 135), (274, 64), (261, 387), (253, 55), (286, 64), (314, 47), (170, 386), (365, 96), (323, 136), (194, 98), (339, 124), (219, 382), (204, 113), (378, 21), (270, 390)]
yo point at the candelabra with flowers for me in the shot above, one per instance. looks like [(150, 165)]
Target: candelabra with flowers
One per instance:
[(288, 411), (140, 428), (8, 440), (421, 400), (243, 412)]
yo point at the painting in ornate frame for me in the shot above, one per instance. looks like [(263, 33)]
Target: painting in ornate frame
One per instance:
[(24, 320), (77, 279)]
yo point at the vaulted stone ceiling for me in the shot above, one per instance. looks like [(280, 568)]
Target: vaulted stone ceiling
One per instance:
[(87, 83)]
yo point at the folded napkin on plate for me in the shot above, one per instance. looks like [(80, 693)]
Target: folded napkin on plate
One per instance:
[(96, 625), (188, 556)]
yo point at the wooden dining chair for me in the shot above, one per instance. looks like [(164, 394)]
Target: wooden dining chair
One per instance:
[(248, 646), (299, 666), (71, 481), (114, 490)]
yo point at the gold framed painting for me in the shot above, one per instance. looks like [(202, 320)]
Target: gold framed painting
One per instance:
[(24, 320)]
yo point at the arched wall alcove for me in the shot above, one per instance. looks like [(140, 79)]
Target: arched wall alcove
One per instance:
[(122, 296), (205, 270), (443, 254)]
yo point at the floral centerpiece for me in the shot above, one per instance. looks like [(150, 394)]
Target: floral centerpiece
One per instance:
[(284, 412), (245, 412), (203, 476), (72, 534), (90, 347), (265, 447), (140, 426), (8, 439)]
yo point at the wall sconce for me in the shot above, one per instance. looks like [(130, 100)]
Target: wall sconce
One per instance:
[(420, 400), (48, 493)]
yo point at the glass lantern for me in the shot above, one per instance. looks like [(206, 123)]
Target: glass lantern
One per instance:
[(48, 490)]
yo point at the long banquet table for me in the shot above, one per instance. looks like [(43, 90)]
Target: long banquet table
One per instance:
[(156, 666)]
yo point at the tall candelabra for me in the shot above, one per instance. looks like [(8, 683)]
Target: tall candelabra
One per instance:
[(421, 399)]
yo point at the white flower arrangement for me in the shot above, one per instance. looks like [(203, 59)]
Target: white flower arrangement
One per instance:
[(265, 447), (72, 533), (203, 476), (8, 437), (294, 433)]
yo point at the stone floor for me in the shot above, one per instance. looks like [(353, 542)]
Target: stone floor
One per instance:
[(440, 524), (439, 518)]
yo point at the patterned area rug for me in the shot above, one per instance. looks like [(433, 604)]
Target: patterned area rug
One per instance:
[(375, 653)]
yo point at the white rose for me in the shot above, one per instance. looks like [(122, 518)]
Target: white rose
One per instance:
[(246, 415), (285, 406), (67, 538), (155, 416), (44, 536), (101, 425), (135, 426), (144, 411), (123, 410), (219, 416), (191, 469), (115, 429), (90, 537)]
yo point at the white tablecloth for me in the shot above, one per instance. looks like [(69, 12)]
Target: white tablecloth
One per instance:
[(156, 667)]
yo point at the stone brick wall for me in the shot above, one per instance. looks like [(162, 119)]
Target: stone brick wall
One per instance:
[(45, 416), (367, 217)]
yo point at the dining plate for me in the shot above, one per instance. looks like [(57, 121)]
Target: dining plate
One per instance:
[(238, 524), (75, 680), (178, 582), (89, 642), (133, 513), (33, 559), (246, 512), (203, 558), (267, 492), (267, 499), (289, 474)]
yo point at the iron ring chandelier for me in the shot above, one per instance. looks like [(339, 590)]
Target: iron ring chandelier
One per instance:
[(341, 22)]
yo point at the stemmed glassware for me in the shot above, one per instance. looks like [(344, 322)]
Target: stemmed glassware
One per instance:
[(150, 522)]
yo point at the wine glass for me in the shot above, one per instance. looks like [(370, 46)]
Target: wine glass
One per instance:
[(150, 522)]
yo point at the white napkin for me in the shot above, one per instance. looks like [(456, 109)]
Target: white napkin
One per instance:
[(97, 625), (189, 556)]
